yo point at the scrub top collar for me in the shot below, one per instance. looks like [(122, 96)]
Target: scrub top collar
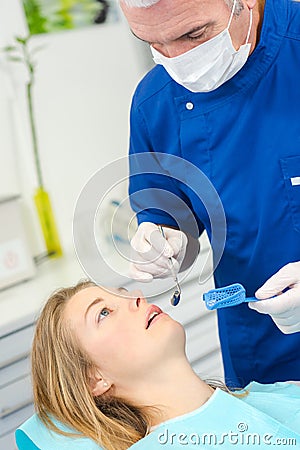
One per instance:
[(274, 26), (217, 392)]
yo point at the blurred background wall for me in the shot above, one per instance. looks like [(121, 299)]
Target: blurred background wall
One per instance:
[(84, 83)]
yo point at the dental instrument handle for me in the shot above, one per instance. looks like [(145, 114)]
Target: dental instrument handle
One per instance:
[(176, 296)]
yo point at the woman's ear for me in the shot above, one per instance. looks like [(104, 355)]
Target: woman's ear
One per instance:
[(98, 384)]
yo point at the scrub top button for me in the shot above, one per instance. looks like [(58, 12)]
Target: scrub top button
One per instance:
[(189, 105)]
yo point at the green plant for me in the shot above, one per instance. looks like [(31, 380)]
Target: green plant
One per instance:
[(46, 16), (20, 52), (36, 20)]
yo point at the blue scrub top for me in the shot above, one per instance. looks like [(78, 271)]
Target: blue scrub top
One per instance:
[(245, 137), (268, 415)]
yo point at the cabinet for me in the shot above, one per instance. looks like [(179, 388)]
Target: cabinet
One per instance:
[(15, 386), (19, 308)]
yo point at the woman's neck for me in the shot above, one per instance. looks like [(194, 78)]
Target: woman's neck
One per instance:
[(173, 392), (185, 397)]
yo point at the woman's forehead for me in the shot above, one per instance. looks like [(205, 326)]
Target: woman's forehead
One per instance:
[(80, 300), (89, 293)]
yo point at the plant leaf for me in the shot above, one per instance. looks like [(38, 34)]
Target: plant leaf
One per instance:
[(21, 40), (37, 49), (15, 59), (10, 48)]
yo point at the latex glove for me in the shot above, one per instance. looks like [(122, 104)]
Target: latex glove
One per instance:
[(151, 252), (284, 308)]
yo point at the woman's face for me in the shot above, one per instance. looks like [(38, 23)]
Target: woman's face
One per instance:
[(115, 328)]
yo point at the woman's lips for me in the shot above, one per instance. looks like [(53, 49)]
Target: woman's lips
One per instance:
[(156, 318), (153, 309)]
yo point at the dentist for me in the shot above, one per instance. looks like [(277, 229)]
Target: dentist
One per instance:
[(224, 96)]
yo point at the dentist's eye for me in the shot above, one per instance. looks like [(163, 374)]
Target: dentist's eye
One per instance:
[(103, 313), (197, 35), (195, 38)]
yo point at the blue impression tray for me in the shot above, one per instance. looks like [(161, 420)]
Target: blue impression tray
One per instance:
[(232, 295)]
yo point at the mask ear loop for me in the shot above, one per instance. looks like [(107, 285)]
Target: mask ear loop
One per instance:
[(231, 15), (250, 26)]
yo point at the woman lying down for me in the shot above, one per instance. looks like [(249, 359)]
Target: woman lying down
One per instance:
[(110, 372)]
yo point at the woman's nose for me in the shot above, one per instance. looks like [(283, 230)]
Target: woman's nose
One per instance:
[(136, 299)]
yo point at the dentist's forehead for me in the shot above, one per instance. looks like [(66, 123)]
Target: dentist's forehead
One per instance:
[(169, 19)]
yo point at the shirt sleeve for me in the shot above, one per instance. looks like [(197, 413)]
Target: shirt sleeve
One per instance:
[(280, 400), (155, 195), (34, 435), (24, 442)]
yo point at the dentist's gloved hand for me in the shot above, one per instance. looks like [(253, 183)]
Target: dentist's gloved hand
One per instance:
[(284, 309), (151, 252)]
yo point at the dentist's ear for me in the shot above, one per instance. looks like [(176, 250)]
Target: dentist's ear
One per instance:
[(98, 384), (251, 3)]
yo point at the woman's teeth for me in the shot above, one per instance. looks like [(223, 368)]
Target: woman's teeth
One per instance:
[(152, 315)]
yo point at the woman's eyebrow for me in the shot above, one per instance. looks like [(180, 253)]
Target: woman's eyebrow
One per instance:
[(121, 288), (95, 302)]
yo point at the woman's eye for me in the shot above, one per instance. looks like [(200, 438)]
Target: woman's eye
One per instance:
[(103, 313)]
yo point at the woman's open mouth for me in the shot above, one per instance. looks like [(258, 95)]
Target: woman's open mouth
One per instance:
[(152, 313)]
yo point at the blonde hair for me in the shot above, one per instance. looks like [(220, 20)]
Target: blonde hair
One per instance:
[(60, 375)]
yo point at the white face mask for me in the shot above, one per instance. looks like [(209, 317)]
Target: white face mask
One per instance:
[(207, 66)]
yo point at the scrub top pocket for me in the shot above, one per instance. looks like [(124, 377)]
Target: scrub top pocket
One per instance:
[(291, 174)]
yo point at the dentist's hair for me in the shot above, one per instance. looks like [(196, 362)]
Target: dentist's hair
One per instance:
[(139, 3), (147, 3), (61, 373)]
